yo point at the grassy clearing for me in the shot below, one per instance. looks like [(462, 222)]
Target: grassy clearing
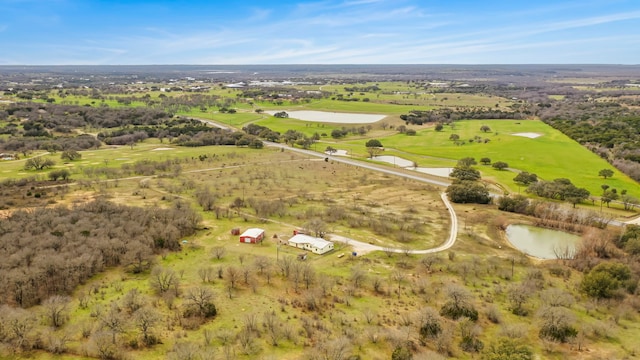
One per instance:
[(550, 156)]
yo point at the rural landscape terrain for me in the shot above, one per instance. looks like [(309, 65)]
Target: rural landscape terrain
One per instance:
[(474, 212)]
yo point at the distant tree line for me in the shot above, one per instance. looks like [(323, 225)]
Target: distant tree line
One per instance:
[(51, 144), (61, 118), (559, 189), (368, 88), (280, 93), (419, 117), (294, 137), (133, 125)]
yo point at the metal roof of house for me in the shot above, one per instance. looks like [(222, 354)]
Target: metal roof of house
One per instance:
[(314, 241)]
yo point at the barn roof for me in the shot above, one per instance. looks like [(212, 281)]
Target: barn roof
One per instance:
[(318, 243), (253, 232)]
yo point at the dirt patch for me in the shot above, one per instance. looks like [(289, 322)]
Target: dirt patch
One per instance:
[(443, 172), (338, 152), (396, 161), (530, 135)]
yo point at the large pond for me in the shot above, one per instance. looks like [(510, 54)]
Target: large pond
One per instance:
[(332, 117), (542, 243)]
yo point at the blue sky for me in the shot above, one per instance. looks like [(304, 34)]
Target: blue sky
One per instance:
[(137, 32)]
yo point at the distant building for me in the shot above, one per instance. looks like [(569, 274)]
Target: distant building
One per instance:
[(313, 244), (252, 236)]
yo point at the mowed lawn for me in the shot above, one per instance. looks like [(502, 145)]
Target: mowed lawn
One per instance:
[(550, 156)]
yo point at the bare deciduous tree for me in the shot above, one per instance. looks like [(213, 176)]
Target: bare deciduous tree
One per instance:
[(57, 341), (232, 276), (398, 276), (146, 319), (247, 274), (55, 310), (102, 345), (133, 300), (285, 264), (429, 260), (369, 315), (261, 263), (316, 226), (250, 322), (164, 279), (557, 323), (336, 349), (218, 252), (519, 295), (114, 321), (308, 275), (206, 274), (557, 297), (18, 324), (357, 277), (201, 298), (272, 326)]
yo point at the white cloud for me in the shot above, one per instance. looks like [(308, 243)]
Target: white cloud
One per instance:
[(361, 2), (259, 14)]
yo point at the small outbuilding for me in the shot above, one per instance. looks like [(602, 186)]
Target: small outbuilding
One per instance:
[(313, 244), (252, 236), (4, 156)]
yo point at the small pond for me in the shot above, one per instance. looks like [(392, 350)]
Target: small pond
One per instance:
[(540, 242), (404, 163)]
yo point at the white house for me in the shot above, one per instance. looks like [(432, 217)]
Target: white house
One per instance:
[(313, 244)]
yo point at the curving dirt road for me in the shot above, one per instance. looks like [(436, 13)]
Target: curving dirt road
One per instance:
[(363, 247)]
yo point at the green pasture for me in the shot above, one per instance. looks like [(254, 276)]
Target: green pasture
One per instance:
[(237, 120), (550, 156), (308, 128)]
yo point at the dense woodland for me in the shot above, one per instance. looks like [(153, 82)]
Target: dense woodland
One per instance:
[(50, 251)]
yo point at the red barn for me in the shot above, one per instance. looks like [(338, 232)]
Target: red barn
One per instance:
[(252, 236)]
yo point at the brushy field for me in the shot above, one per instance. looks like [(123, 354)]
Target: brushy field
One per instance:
[(375, 301)]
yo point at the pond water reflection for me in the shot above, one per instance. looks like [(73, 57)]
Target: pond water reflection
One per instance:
[(540, 242)]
